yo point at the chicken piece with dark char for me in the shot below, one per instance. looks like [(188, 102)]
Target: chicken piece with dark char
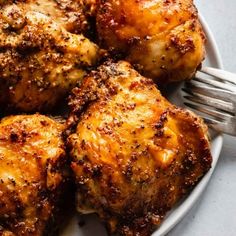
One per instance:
[(134, 155), (34, 177), (42, 53), (164, 40)]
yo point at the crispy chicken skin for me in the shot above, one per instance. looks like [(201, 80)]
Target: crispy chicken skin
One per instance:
[(162, 39), (40, 59), (71, 14), (32, 160), (134, 155)]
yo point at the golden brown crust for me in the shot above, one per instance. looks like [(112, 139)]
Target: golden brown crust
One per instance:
[(40, 60), (32, 178), (134, 154), (71, 14), (162, 39)]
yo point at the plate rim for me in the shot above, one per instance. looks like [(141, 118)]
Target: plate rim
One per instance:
[(191, 199)]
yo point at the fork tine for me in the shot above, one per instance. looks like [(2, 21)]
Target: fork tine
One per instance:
[(214, 83), (216, 125), (223, 75), (210, 121), (215, 103), (214, 98), (226, 127), (209, 111), (209, 91)]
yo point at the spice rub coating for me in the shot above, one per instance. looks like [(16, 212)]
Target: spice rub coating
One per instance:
[(134, 155), (162, 39), (41, 57), (32, 174)]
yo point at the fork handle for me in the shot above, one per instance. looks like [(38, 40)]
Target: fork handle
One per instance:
[(221, 74)]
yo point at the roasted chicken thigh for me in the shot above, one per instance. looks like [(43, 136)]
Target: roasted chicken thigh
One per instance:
[(41, 57), (162, 39), (134, 155), (32, 175)]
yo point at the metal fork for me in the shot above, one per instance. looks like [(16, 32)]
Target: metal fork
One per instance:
[(212, 92)]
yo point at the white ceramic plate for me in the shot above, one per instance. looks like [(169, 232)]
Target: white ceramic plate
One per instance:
[(92, 226)]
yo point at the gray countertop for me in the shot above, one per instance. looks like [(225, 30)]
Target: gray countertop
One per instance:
[(215, 213)]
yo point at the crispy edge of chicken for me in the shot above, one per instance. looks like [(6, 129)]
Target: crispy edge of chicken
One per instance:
[(40, 60), (134, 155), (71, 15), (33, 175), (164, 40)]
